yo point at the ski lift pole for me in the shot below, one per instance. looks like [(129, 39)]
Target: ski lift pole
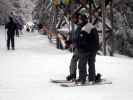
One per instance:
[(103, 29)]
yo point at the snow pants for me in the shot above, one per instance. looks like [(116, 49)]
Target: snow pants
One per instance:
[(10, 39), (73, 63), (85, 58)]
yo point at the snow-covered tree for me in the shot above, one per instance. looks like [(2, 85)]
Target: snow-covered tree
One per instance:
[(21, 8)]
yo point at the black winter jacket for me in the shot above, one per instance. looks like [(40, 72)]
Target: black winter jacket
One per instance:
[(88, 42), (11, 27)]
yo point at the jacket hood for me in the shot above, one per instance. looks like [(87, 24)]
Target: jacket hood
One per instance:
[(88, 27)]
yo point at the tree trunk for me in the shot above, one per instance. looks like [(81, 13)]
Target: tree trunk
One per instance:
[(103, 30)]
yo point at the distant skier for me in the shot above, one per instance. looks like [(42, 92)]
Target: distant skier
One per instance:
[(11, 27), (17, 30)]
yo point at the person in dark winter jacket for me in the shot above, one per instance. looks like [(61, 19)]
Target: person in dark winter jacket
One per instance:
[(88, 45), (11, 27), (80, 20), (72, 42), (74, 60), (89, 39)]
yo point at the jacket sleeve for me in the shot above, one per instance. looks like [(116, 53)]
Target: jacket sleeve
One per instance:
[(6, 25), (96, 38)]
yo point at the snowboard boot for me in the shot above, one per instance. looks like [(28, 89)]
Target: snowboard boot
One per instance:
[(80, 81), (71, 77), (98, 77), (91, 82)]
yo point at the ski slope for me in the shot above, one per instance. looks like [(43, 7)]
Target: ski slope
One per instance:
[(26, 72)]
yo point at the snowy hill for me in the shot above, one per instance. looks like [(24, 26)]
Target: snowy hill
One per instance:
[(25, 73)]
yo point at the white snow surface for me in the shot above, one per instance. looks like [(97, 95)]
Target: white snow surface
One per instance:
[(26, 72)]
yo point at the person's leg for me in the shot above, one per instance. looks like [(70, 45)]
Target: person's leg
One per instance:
[(8, 41), (17, 32), (73, 65), (91, 69), (82, 66), (12, 42)]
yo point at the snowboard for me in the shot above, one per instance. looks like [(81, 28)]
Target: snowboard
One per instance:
[(60, 81), (73, 84)]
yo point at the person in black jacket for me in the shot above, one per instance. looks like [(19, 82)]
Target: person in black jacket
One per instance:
[(11, 27), (88, 45), (80, 20)]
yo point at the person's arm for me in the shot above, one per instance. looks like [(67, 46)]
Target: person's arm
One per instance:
[(96, 37), (6, 26)]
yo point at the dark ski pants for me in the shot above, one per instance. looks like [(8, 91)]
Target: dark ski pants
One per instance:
[(17, 32), (73, 63), (85, 58), (10, 39)]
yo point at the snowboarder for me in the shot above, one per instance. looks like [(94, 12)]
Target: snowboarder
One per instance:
[(11, 27), (88, 45), (75, 57)]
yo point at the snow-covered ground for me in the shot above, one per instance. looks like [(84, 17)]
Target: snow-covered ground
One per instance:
[(26, 72)]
